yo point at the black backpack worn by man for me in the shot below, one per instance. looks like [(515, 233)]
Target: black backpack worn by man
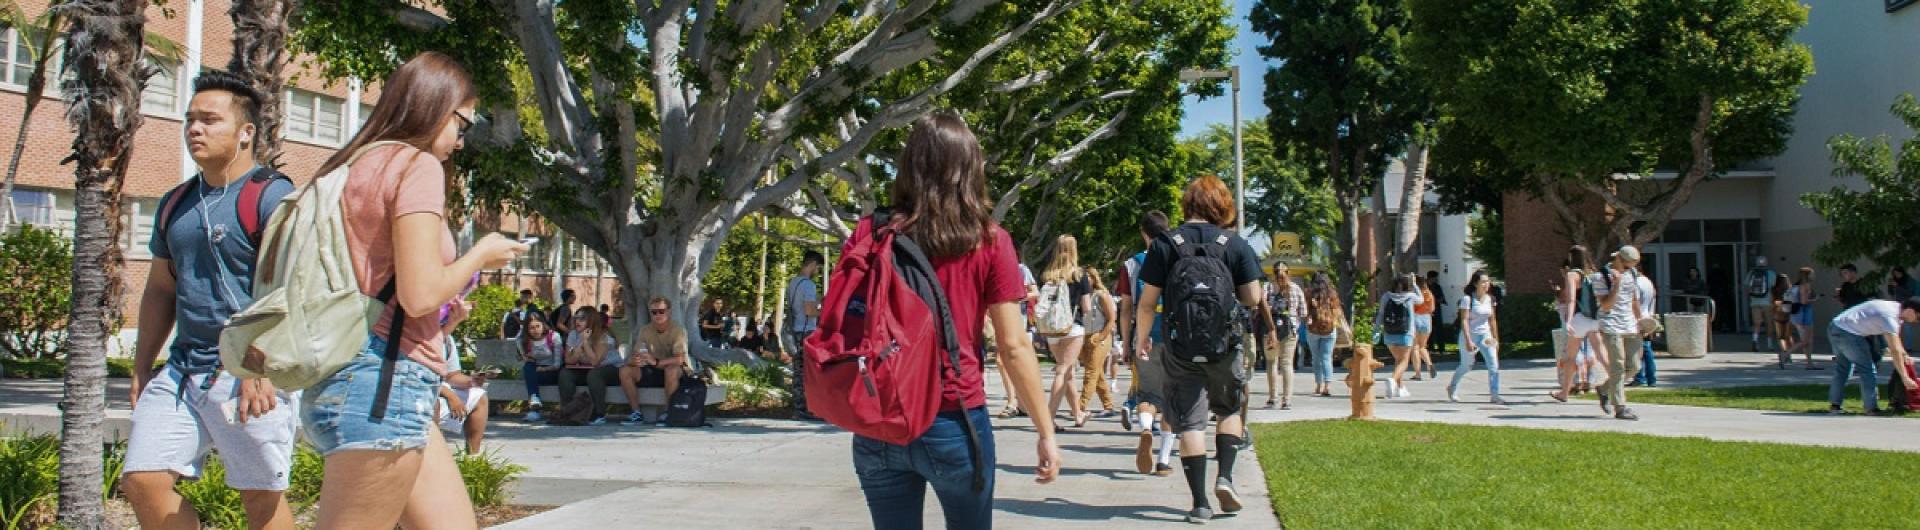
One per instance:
[(1203, 315)]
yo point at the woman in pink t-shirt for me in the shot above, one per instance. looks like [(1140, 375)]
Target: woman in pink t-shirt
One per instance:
[(397, 469)]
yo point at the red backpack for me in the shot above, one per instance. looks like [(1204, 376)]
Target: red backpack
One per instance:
[(874, 365)]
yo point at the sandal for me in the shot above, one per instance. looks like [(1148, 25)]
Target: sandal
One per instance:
[(1080, 420), (1009, 413), (1557, 396)]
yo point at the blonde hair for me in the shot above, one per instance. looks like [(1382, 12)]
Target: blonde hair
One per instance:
[(1065, 264), (1093, 275)]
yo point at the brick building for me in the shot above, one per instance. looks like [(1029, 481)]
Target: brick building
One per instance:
[(320, 116)]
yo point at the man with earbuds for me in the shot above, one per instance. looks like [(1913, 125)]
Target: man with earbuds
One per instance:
[(204, 241)]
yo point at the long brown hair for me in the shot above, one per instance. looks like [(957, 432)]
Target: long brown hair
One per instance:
[(1324, 303), (940, 196), (414, 106)]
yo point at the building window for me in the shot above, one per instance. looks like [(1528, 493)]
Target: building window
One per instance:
[(365, 110), (16, 57), (582, 260), (536, 259), (162, 95), (315, 118), (1429, 244), (33, 207)]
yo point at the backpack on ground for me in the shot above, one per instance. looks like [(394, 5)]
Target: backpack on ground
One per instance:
[(886, 341), (577, 411), (1203, 315), (1757, 284), (1053, 316), (308, 315), (1904, 399), (1396, 316), (1584, 301), (687, 407)]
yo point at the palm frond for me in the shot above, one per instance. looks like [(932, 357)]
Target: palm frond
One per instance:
[(164, 47)]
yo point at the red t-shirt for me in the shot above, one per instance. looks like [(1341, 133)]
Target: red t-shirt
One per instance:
[(988, 275)]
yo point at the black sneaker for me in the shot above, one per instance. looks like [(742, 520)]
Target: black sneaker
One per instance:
[(1162, 470), (1200, 515), (1877, 412), (1126, 420), (1229, 499), (1834, 410)]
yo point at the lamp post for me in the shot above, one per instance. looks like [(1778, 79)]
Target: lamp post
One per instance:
[(1232, 74)]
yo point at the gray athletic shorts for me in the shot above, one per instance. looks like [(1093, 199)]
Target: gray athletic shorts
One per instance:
[(176, 424), (1195, 389), (1152, 376)]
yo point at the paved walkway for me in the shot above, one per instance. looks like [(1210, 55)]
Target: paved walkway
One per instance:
[(752, 473)]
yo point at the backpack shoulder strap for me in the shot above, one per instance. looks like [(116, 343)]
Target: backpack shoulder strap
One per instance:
[(172, 203), (910, 252), (253, 217)]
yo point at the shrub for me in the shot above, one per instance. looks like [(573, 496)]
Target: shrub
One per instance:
[(753, 385), (219, 505), (55, 367), (303, 488), (31, 466), (1363, 307), (490, 304), (1528, 317), (487, 476), (37, 291)]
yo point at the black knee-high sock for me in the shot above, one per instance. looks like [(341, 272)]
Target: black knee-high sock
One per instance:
[(1229, 448), (1196, 468)]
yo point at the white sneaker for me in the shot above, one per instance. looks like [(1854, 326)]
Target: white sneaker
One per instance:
[(1405, 393), (1454, 395), (534, 402), (1393, 390)]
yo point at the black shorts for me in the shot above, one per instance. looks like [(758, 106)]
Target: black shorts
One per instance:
[(1196, 389)]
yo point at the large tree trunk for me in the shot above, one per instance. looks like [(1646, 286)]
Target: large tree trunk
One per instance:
[(1383, 245), (1413, 197), (260, 29), (105, 45)]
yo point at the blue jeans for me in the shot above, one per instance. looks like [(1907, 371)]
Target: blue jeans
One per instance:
[(895, 477), (1852, 352), (1480, 342), (1322, 348), (1645, 377), (337, 412), (531, 374)]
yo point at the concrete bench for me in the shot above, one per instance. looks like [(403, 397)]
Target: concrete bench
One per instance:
[(501, 353)]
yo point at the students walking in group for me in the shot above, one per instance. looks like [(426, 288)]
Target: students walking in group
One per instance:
[(203, 247), (1144, 329), (1394, 319), (1621, 328), (397, 470), (1282, 310), (1850, 332), (1100, 330), (940, 201), (1799, 302), (1209, 276), (803, 316), (1326, 320), (1479, 336), (1065, 295), (1580, 311)]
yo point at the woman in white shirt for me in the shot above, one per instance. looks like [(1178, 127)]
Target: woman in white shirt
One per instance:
[(1479, 336)]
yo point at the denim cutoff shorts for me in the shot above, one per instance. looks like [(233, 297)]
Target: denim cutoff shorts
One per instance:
[(337, 413)]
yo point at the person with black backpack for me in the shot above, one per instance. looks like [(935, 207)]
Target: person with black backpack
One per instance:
[(1285, 305), (1395, 320), (1211, 277)]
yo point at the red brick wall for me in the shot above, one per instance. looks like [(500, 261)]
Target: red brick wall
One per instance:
[(1536, 242)]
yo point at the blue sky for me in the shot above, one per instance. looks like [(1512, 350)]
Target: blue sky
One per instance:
[(1253, 71)]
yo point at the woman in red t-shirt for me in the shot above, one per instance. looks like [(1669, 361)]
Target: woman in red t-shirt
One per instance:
[(940, 201), (394, 207)]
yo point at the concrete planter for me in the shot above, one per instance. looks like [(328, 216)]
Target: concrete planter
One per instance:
[(1687, 335)]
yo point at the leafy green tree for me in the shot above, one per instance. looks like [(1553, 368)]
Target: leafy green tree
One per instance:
[(1875, 223), (1489, 241), (1342, 98), (1282, 196), (1572, 94), (37, 291), (751, 103), (490, 306)]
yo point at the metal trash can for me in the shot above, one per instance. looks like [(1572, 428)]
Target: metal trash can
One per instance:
[(1687, 335)]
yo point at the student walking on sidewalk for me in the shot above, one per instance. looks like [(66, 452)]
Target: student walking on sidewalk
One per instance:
[(1065, 288), (1326, 320), (1395, 322), (1621, 327), (202, 273), (1580, 311), (1100, 330), (803, 316), (1210, 277), (940, 201), (1479, 336), (398, 470)]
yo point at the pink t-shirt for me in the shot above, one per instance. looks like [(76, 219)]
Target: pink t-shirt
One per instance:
[(384, 184)]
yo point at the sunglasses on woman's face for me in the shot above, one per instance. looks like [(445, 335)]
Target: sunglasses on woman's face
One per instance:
[(658, 312)]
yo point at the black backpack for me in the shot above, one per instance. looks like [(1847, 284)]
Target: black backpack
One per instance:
[(1396, 317), (1202, 312), (511, 328), (1282, 319), (687, 407)]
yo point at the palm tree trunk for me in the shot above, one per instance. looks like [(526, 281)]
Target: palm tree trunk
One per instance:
[(105, 44), (260, 29), (1412, 199)]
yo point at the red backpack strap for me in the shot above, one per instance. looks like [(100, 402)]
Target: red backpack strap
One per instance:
[(172, 203), (247, 207)]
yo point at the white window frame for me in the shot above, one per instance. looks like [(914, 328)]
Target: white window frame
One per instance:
[(177, 109), (312, 120), (9, 45), (49, 210)]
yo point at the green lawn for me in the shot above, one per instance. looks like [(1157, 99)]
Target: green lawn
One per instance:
[(1348, 474), (1786, 398)]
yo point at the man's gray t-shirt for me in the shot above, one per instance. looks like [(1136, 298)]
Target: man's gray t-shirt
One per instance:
[(799, 293), (212, 266)]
